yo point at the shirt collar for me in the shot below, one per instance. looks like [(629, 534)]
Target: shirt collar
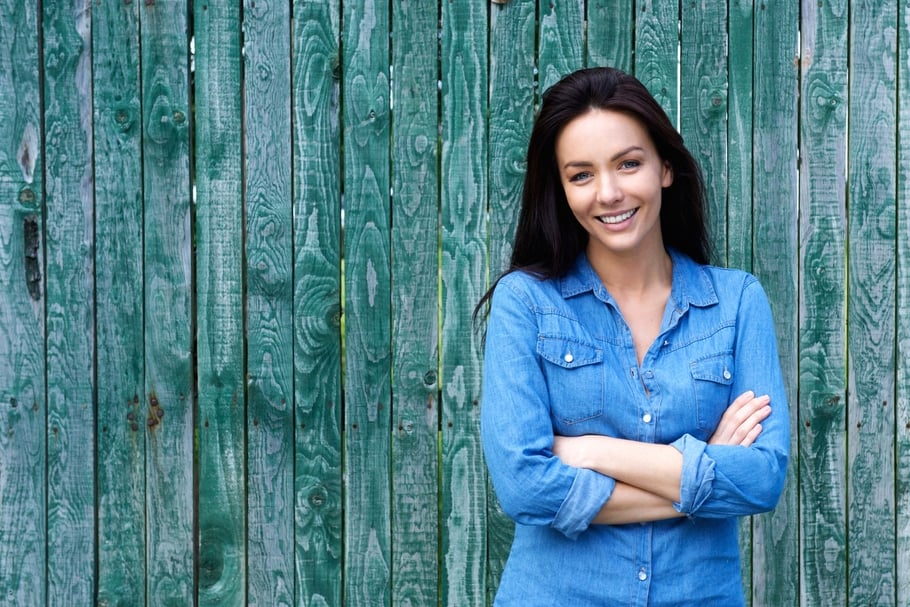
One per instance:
[(691, 284)]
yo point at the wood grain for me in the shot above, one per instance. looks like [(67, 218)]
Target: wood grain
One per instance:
[(561, 40), (609, 33)]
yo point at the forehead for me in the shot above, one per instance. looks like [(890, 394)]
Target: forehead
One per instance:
[(599, 131)]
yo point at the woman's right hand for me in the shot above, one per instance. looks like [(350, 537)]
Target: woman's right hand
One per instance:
[(741, 422)]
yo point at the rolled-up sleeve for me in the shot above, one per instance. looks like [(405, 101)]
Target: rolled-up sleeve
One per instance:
[(730, 480), (533, 486)]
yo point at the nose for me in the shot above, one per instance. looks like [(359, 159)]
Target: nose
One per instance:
[(608, 189)]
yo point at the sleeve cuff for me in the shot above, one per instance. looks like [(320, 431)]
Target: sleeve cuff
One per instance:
[(697, 479), (587, 495)]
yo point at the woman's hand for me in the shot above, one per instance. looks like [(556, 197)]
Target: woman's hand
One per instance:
[(741, 422), (575, 451)]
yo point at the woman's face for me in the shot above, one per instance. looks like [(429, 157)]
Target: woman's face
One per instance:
[(613, 177)]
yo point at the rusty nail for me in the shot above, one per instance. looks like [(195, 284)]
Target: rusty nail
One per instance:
[(27, 196), (160, 413)]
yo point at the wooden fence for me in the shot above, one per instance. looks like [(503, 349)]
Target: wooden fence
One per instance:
[(240, 244)]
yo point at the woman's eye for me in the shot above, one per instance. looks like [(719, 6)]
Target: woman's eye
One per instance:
[(630, 164), (580, 176)]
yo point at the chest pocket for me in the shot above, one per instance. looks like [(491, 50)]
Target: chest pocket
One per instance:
[(713, 379), (574, 371)]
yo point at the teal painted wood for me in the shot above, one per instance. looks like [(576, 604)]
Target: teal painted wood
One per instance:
[(703, 106), (70, 305), (561, 40), (871, 237), (609, 33), (168, 261), (367, 311), (740, 65), (775, 258), (823, 300), (512, 97), (269, 303), (656, 51), (465, 83), (415, 297), (317, 301), (23, 409), (221, 512), (117, 123)]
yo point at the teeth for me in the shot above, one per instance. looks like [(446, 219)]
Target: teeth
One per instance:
[(617, 218)]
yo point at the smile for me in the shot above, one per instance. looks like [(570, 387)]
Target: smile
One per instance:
[(617, 218)]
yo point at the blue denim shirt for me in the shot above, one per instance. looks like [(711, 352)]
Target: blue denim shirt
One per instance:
[(559, 359)]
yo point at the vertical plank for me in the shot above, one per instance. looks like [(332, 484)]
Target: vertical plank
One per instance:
[(703, 105), (269, 257), (512, 97), (22, 324), (70, 304), (464, 267), (656, 50), (902, 253), (367, 334), (740, 65), (118, 285), (775, 259), (822, 297), (317, 301), (609, 33), (561, 48), (168, 287), (221, 478), (870, 319), (414, 292)]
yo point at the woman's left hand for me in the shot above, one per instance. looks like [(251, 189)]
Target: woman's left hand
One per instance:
[(576, 451)]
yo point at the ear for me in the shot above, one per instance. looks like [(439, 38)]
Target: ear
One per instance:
[(666, 177)]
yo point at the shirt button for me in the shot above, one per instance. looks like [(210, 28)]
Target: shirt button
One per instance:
[(646, 418), (568, 357), (649, 374), (642, 575), (726, 373)]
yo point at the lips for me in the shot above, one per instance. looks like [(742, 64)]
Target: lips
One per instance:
[(614, 219)]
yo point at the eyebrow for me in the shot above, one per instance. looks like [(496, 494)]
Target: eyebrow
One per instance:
[(617, 156)]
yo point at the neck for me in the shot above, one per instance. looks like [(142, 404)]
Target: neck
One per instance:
[(636, 275)]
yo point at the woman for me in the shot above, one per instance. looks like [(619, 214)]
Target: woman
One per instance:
[(633, 402)]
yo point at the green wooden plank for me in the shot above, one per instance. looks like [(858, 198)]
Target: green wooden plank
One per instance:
[(656, 50), (703, 106), (464, 269), (269, 275), (512, 92), (219, 326), (609, 33), (118, 286), (70, 304), (870, 319), (367, 333), (822, 356), (740, 65), (414, 292), (317, 301), (902, 253), (775, 551), (22, 361), (561, 46), (168, 287)]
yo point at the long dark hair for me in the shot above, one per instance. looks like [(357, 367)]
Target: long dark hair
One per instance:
[(548, 238)]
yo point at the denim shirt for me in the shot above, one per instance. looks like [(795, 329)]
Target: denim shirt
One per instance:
[(559, 359)]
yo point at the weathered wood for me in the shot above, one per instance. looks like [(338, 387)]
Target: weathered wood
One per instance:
[(823, 300), (871, 274), (464, 264), (221, 528), (775, 260), (740, 65), (317, 301), (703, 106), (512, 96), (609, 33), (269, 273), (656, 51), (168, 263), (414, 292), (23, 496), (561, 43), (70, 305), (117, 122)]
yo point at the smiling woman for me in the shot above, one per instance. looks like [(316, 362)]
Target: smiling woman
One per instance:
[(625, 381)]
